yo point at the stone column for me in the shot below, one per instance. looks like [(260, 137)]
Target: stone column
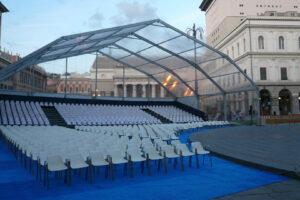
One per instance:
[(153, 91), (275, 105), (133, 90), (162, 92), (125, 91), (144, 90), (295, 104), (116, 90)]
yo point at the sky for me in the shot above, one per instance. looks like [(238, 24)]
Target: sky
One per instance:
[(31, 24)]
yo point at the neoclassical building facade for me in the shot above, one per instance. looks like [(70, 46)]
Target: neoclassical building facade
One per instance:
[(267, 49), (110, 82)]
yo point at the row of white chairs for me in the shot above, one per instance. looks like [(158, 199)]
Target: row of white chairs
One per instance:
[(22, 113), (91, 114), (57, 149), (175, 114)]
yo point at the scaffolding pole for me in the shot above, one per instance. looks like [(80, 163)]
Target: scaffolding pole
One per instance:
[(225, 107), (66, 77)]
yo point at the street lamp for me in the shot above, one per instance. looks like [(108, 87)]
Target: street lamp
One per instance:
[(193, 32)]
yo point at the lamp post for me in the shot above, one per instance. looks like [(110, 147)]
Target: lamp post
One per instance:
[(193, 32)]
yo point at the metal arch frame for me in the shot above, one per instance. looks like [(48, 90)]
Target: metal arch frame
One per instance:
[(30, 60), (130, 66), (157, 64), (36, 56), (212, 49), (184, 59)]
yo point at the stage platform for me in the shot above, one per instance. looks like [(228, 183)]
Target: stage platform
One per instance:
[(274, 147)]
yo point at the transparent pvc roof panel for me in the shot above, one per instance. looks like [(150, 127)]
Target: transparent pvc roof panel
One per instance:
[(173, 63), (84, 46), (187, 73), (133, 44), (133, 60), (117, 53), (154, 53), (57, 52), (151, 68), (180, 44), (103, 35), (130, 30), (157, 33), (72, 41)]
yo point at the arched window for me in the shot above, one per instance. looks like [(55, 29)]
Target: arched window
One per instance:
[(281, 42), (261, 42)]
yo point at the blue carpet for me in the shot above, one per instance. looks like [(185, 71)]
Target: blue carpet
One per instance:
[(204, 183)]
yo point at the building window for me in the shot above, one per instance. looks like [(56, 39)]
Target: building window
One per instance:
[(299, 42), (238, 49), (82, 89), (283, 73), (263, 73), (281, 42), (71, 89), (232, 48), (77, 90), (227, 52), (261, 42), (244, 41)]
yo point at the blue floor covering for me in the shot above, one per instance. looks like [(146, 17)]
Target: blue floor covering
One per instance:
[(207, 182)]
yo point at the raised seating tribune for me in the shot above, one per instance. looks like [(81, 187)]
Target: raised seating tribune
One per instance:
[(82, 114), (57, 149), (174, 114), (22, 113)]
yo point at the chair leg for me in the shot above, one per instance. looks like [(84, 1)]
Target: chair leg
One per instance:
[(48, 182), (125, 169), (70, 173), (91, 173), (87, 173), (181, 158), (166, 165), (130, 167), (106, 171), (175, 163), (111, 169), (45, 174), (197, 159), (66, 177), (40, 173), (148, 165), (142, 167), (158, 166), (37, 170), (80, 172)]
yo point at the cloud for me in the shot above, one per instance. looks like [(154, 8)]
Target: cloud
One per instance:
[(129, 12), (95, 21)]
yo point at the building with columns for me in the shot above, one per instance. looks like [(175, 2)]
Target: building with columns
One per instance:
[(263, 38), (110, 81)]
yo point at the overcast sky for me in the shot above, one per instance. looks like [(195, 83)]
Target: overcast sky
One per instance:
[(30, 24)]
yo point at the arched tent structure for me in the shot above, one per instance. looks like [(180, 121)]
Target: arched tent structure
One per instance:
[(155, 49)]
